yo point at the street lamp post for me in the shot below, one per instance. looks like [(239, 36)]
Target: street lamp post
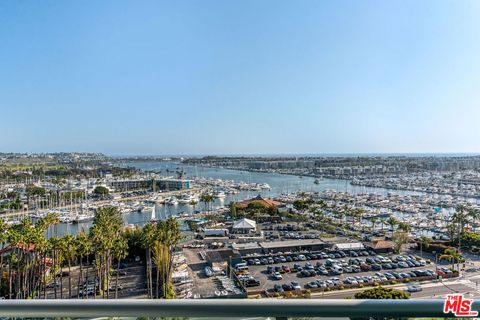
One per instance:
[(436, 264)]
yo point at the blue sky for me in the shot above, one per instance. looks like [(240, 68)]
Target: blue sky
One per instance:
[(233, 77)]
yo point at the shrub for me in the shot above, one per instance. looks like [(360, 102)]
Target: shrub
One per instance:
[(382, 293)]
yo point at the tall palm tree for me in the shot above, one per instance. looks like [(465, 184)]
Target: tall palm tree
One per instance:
[(4, 229), (70, 247), (207, 199), (120, 251), (84, 249), (107, 226), (167, 236), (374, 222), (194, 204), (460, 219), (147, 239)]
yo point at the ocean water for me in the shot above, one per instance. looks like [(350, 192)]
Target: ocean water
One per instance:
[(279, 183)]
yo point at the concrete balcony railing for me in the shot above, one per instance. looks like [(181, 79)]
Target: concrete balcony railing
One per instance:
[(279, 309)]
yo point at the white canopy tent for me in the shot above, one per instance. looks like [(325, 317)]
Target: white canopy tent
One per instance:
[(244, 226)]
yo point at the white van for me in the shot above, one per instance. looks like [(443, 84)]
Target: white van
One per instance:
[(241, 267)]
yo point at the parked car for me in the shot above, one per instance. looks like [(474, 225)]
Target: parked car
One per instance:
[(278, 288), (322, 271), (277, 276), (295, 285), (287, 287), (365, 267), (252, 283), (376, 267), (350, 280)]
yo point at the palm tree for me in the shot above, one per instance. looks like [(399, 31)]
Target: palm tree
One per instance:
[(404, 226), (4, 229), (147, 240), (166, 237), (374, 222), (474, 215), (194, 204), (424, 241), (453, 256), (70, 247), (392, 222), (382, 223), (207, 199), (107, 226), (84, 249), (54, 246), (460, 219), (120, 251), (360, 212)]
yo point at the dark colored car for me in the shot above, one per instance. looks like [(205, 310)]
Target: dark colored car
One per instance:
[(365, 267), (252, 283), (376, 267), (278, 288)]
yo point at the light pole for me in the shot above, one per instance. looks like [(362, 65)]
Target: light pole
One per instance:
[(436, 264)]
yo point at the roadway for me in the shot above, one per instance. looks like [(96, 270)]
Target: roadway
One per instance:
[(430, 289)]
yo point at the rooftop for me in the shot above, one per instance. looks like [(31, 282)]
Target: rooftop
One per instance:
[(266, 201), (291, 243)]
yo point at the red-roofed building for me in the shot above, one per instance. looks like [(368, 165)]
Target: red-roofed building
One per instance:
[(266, 202), (381, 245)]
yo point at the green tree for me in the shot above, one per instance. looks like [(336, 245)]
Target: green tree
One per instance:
[(207, 199), (453, 256), (424, 243), (392, 222), (404, 227), (400, 238), (101, 190), (374, 221)]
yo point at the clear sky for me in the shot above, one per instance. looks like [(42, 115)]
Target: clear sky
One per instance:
[(233, 77)]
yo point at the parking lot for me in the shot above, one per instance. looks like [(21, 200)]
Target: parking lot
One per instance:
[(355, 270), (131, 282)]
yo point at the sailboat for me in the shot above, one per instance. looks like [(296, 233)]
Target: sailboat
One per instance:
[(153, 215)]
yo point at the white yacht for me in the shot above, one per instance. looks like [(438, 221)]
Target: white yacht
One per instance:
[(187, 198), (172, 201), (83, 218)]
